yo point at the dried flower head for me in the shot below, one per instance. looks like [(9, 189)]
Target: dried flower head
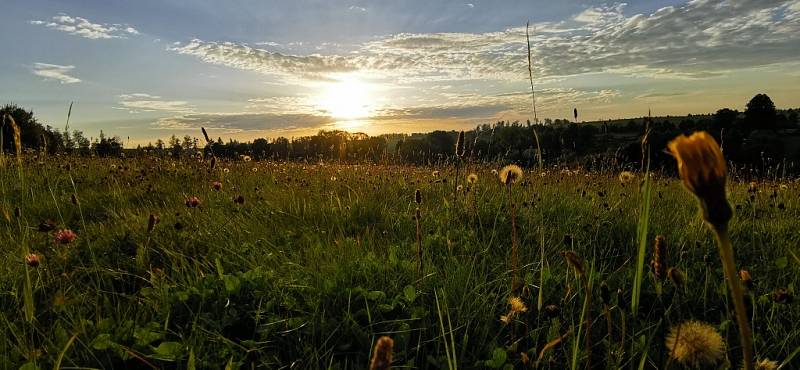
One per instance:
[(574, 260), (695, 344), (703, 169), (64, 236), (472, 178), (510, 174), (382, 355)]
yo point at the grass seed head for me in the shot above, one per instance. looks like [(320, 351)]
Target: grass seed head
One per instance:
[(659, 262), (418, 196), (574, 260), (695, 344), (382, 355), (460, 144)]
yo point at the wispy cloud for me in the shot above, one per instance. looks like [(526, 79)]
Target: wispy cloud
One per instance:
[(244, 122), (142, 102), (55, 72), (699, 39), (84, 28)]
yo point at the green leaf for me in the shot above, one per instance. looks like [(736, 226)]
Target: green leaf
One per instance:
[(169, 350), (102, 342), (782, 262), (376, 295), (499, 357), (145, 336), (410, 293), (29, 366), (232, 283)]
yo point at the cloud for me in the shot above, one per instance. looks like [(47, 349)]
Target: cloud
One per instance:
[(55, 72), (470, 5), (360, 9), (83, 27), (243, 121), (142, 102), (695, 40)]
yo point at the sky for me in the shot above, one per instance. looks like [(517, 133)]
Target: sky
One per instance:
[(243, 69)]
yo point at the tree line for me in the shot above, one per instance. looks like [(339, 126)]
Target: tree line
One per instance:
[(759, 138)]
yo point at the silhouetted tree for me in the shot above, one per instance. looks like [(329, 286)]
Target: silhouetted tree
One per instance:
[(760, 113)]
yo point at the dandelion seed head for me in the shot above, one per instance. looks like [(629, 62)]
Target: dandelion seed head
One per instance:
[(695, 344)]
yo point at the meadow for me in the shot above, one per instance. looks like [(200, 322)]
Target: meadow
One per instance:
[(259, 264)]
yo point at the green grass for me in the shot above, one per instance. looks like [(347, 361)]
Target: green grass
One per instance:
[(320, 261)]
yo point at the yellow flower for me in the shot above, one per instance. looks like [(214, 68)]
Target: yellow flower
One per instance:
[(702, 169), (517, 305), (695, 344), (625, 177), (766, 364), (472, 178), (510, 174)]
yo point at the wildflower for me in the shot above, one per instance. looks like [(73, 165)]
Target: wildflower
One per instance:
[(552, 310), (435, 173), (695, 344), (517, 305), (472, 178), (255, 169), (64, 236), (193, 202), (494, 172), (32, 260), (626, 177), (702, 169), (747, 280), (216, 185), (781, 295), (225, 170), (459, 188), (766, 364), (382, 355), (510, 174), (247, 158)]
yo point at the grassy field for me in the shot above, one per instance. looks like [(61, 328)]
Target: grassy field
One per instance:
[(307, 265)]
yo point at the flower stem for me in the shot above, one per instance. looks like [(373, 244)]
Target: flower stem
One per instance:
[(729, 266)]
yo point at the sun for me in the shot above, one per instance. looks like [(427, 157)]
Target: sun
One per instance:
[(346, 99)]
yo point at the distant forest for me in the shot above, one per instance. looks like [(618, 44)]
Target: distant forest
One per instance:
[(761, 139)]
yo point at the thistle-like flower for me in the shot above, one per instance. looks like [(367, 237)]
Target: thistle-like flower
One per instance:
[(32, 260), (510, 174), (64, 236), (703, 169), (216, 185), (382, 355), (193, 202), (695, 344)]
